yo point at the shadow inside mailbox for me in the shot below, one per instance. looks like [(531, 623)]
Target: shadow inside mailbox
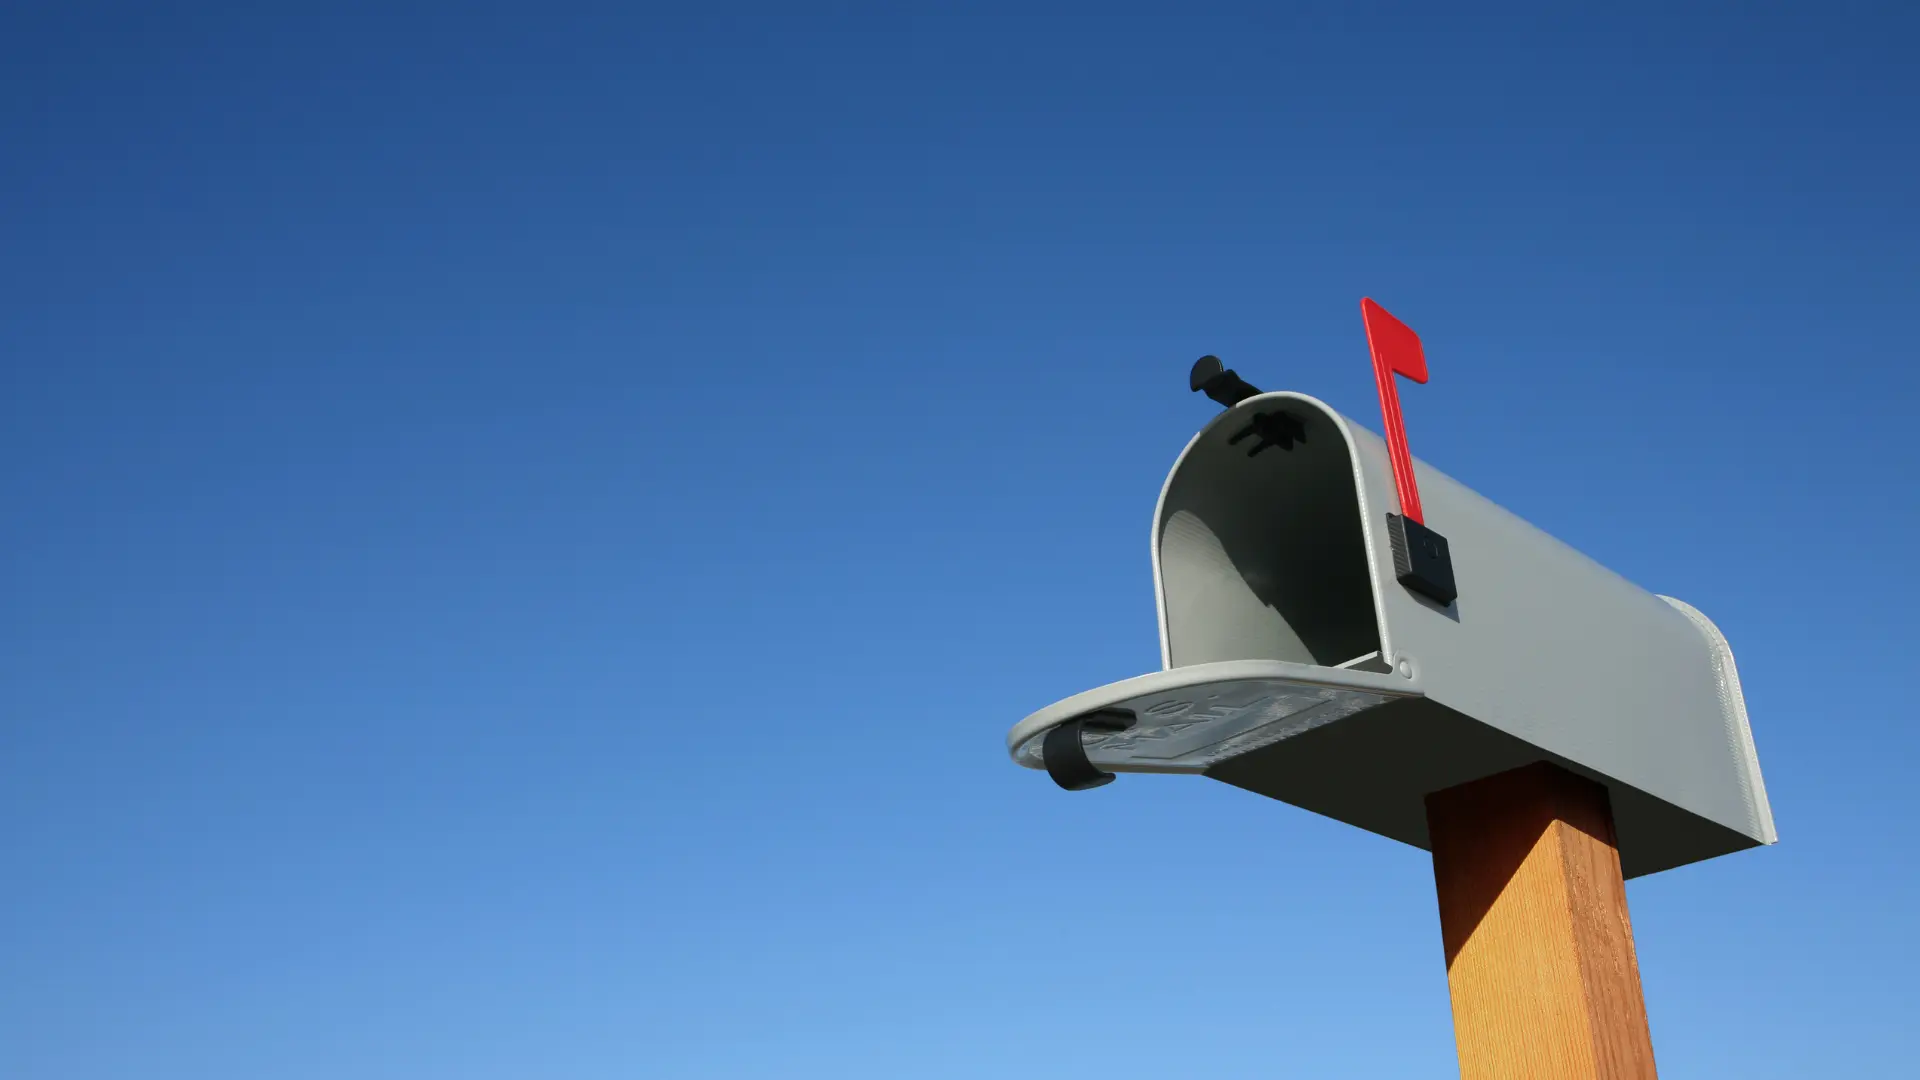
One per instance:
[(1262, 555)]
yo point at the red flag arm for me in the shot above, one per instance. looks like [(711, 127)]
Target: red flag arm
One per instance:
[(1396, 351)]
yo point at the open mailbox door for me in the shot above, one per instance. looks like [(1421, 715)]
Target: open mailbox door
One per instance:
[(1299, 666)]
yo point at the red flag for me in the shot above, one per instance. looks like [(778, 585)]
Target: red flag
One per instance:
[(1393, 343), (1396, 351)]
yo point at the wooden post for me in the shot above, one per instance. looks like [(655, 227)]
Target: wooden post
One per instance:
[(1533, 911)]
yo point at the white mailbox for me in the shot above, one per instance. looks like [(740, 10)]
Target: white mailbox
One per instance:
[(1313, 652)]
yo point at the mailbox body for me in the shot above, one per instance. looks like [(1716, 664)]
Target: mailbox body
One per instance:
[(1356, 696)]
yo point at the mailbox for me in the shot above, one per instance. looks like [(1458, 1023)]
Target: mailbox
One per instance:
[(1319, 649)]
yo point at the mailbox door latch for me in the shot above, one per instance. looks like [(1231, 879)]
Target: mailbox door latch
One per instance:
[(1065, 755)]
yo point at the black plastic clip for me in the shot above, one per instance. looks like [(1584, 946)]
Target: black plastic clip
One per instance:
[(1065, 756), (1421, 559), (1219, 382)]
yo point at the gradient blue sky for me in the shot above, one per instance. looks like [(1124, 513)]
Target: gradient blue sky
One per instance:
[(524, 532)]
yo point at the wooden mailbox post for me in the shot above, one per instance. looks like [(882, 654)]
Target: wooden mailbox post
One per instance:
[(1533, 914)]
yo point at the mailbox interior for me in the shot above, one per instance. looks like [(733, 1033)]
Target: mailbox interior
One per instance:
[(1263, 556)]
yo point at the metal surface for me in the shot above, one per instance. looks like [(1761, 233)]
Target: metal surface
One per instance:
[(1192, 718), (1284, 558)]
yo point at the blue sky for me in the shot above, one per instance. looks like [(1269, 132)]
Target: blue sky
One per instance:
[(524, 532)]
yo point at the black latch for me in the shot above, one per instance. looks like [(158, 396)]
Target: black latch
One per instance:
[(1065, 756), (1218, 382)]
